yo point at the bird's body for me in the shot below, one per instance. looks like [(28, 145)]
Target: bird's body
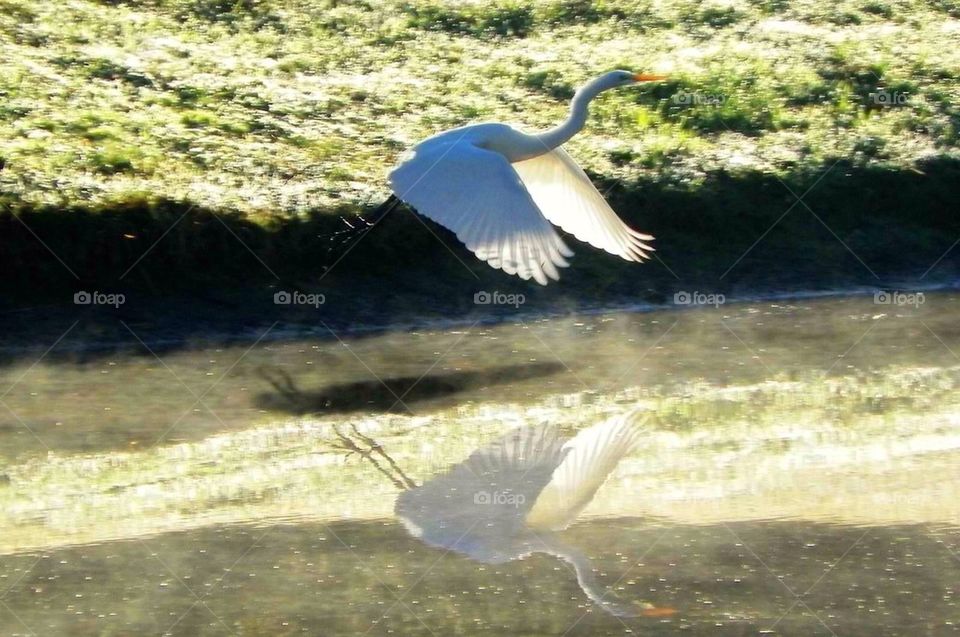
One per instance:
[(504, 139), (499, 189)]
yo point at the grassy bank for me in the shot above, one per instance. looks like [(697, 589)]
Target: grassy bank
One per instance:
[(173, 128)]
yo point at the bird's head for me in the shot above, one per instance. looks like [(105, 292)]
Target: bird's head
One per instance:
[(626, 78)]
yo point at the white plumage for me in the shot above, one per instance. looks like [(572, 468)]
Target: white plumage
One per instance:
[(478, 195), (499, 190)]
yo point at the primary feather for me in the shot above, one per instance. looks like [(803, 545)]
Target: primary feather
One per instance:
[(567, 197)]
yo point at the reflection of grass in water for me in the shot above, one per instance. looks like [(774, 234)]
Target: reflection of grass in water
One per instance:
[(291, 469)]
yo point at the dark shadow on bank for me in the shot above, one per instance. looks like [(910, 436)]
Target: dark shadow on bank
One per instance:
[(397, 394), (189, 274)]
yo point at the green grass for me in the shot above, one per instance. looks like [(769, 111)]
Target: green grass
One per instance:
[(223, 90), (281, 116)]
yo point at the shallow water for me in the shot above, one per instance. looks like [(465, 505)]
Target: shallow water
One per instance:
[(798, 475)]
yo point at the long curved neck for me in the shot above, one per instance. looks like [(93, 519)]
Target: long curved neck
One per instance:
[(578, 116), (588, 582)]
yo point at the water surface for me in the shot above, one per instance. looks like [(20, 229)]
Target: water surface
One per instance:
[(799, 476)]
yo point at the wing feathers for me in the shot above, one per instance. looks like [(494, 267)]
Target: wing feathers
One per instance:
[(565, 196), (478, 195), (502, 211)]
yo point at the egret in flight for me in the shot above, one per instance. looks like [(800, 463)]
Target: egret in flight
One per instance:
[(499, 189), (508, 500)]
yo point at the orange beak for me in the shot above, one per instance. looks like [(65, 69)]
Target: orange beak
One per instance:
[(659, 611), (648, 77)]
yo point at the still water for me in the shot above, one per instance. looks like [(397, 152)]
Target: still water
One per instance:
[(794, 469)]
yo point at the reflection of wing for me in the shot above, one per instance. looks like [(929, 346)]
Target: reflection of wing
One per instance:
[(566, 197), (592, 455), (478, 507)]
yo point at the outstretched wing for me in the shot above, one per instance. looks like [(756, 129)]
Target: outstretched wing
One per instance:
[(566, 197), (477, 194), (592, 455)]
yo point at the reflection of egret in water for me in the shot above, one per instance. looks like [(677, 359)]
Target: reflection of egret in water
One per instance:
[(508, 499)]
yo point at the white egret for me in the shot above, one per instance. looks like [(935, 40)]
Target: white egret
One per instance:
[(499, 189), (508, 499)]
